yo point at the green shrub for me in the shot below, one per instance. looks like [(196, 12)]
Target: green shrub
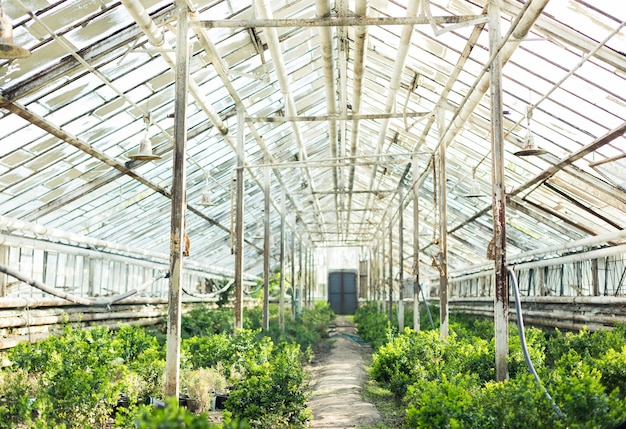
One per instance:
[(373, 326), (226, 350), (271, 391), (475, 356), (519, 403), (78, 374), (409, 357), (443, 403), (204, 321), (175, 417), (18, 392), (612, 366), (578, 391)]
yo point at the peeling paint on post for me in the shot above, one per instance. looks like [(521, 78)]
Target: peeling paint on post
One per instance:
[(172, 363), (501, 291)]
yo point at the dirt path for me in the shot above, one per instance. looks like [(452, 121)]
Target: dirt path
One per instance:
[(337, 380)]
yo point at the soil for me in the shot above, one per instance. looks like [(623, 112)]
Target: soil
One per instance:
[(337, 378)]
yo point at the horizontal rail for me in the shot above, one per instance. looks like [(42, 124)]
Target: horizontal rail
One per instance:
[(569, 313), (337, 22)]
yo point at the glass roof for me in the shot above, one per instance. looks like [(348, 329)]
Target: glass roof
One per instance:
[(345, 115)]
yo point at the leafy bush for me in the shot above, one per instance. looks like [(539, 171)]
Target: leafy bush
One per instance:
[(228, 350), (204, 321), (81, 374), (450, 383), (373, 326), (78, 377), (443, 403), (75, 380), (175, 417), (18, 390), (409, 357), (612, 366), (270, 393)]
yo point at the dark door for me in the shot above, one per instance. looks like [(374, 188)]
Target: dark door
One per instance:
[(342, 291)]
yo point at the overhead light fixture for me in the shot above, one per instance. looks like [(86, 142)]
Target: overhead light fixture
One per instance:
[(259, 231), (8, 50), (475, 189), (145, 145), (530, 149), (206, 199)]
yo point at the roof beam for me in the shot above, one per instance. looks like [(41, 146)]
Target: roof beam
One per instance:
[(338, 21)]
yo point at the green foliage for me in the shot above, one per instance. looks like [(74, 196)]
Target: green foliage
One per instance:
[(203, 321), (450, 384), (373, 326), (18, 390), (517, 404), (586, 343), (443, 403), (75, 380), (81, 374), (409, 357), (270, 393), (227, 350), (612, 366), (175, 417), (77, 374), (309, 328)]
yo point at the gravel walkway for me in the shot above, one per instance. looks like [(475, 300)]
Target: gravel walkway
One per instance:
[(337, 380)]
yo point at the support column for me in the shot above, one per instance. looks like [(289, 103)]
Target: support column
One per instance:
[(390, 270), (300, 276), (442, 262), (266, 250), (416, 246), (4, 278), (401, 258), (501, 293), (179, 190), (381, 275), (281, 296), (293, 271), (239, 229)]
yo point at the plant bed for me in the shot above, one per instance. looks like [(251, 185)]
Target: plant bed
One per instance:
[(450, 383), (93, 378)]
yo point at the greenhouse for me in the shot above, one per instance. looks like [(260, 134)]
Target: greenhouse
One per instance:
[(401, 162)]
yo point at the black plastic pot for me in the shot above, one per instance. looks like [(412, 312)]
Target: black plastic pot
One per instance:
[(220, 399)]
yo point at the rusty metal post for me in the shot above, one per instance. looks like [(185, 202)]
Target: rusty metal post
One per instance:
[(239, 230), (442, 257), (416, 246), (501, 292), (179, 189), (401, 258), (266, 250)]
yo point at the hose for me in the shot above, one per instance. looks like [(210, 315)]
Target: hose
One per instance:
[(522, 337)]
